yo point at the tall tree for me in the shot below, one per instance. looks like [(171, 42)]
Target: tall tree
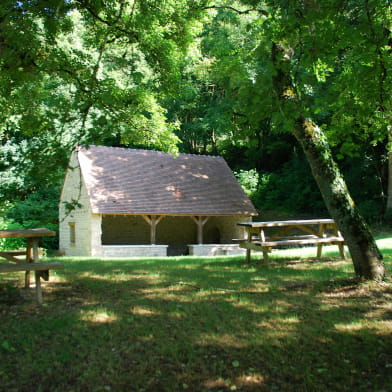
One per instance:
[(85, 72), (322, 62)]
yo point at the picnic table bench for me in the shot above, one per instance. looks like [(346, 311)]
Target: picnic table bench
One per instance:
[(290, 233), (31, 260)]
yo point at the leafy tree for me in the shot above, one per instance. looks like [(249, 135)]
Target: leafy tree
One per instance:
[(84, 72), (301, 60)]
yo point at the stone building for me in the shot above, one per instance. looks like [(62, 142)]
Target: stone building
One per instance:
[(119, 202)]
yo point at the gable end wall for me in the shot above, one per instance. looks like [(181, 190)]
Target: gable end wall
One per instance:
[(74, 188)]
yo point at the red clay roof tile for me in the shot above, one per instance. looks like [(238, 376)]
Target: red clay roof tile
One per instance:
[(143, 182)]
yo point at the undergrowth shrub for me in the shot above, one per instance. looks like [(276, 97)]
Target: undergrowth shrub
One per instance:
[(290, 189)]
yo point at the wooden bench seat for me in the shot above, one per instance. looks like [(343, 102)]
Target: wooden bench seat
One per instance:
[(272, 238), (303, 241), (11, 255), (4, 268), (15, 252)]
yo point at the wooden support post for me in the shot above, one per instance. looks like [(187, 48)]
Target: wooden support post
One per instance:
[(265, 250), (200, 222), (249, 240), (37, 273), (153, 221), (340, 244), (29, 259), (320, 234)]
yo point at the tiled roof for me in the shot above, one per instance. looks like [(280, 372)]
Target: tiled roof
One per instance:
[(143, 182)]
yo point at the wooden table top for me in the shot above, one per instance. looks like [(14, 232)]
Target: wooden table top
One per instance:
[(27, 233), (287, 223)]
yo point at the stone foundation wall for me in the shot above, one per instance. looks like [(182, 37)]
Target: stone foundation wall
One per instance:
[(215, 250), (133, 251)]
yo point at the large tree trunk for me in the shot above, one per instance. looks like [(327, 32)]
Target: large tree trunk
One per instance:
[(366, 257)]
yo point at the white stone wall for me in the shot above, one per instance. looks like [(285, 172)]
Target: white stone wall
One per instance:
[(133, 251), (96, 235), (74, 189), (215, 250)]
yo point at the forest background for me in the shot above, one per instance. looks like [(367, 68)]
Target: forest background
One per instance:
[(194, 77)]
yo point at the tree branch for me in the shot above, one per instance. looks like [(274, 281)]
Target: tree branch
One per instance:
[(218, 7), (112, 24)]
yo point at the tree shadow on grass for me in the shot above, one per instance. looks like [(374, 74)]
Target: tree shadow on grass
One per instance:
[(199, 326)]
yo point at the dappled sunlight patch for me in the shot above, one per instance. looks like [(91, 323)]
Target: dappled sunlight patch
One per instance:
[(148, 291), (349, 327), (256, 289), (250, 381), (224, 340), (258, 279), (279, 327), (307, 252), (246, 303), (291, 320), (177, 315), (120, 276), (216, 384), (383, 327), (167, 293), (349, 288), (319, 264), (382, 311), (99, 316), (54, 278), (144, 311), (91, 275)]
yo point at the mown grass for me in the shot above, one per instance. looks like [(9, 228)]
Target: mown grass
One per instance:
[(199, 324)]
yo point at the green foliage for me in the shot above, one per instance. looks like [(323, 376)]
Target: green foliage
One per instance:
[(86, 73), (39, 209), (10, 243), (290, 189), (366, 178), (249, 180)]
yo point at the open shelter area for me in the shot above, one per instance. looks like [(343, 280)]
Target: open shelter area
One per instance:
[(142, 203)]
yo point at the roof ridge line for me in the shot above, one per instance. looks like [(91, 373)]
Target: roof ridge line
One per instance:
[(79, 147)]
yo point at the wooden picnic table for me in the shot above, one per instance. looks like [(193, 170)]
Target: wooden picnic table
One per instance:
[(264, 236), (31, 252)]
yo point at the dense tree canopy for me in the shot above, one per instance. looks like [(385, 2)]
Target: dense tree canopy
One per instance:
[(85, 72)]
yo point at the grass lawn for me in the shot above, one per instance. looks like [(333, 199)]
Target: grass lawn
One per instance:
[(199, 324)]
